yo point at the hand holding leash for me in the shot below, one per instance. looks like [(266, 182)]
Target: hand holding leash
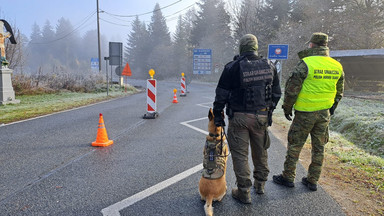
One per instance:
[(218, 118), (219, 121)]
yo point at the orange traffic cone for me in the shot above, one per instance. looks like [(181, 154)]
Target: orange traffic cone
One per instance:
[(102, 137), (174, 96)]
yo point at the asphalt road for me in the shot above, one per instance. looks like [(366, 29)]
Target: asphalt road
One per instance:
[(48, 166)]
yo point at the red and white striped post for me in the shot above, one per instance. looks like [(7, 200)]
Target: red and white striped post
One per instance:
[(183, 86), (151, 97)]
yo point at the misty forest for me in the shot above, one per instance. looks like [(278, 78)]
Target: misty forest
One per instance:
[(56, 56)]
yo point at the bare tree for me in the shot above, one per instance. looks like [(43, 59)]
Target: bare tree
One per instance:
[(15, 52)]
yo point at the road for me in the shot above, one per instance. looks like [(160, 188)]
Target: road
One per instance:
[(48, 166)]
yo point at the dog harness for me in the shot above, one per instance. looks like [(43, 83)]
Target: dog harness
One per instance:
[(214, 161)]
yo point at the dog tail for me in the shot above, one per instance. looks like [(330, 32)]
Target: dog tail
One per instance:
[(208, 206)]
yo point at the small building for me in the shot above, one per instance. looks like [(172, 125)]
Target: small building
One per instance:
[(364, 69)]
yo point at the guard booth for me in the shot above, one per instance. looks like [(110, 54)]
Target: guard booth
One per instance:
[(364, 69)]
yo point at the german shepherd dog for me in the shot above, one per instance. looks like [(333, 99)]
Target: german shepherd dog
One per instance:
[(212, 185)]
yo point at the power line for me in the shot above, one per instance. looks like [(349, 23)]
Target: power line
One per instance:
[(180, 10), (142, 13), (169, 19), (113, 23)]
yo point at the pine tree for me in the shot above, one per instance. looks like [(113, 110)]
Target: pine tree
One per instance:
[(137, 49), (34, 47), (66, 43), (160, 41), (48, 35), (158, 29), (211, 30), (180, 47)]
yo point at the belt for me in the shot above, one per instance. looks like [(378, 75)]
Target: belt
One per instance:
[(256, 112)]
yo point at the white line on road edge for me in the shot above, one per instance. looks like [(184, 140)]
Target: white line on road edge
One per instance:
[(193, 127), (115, 208)]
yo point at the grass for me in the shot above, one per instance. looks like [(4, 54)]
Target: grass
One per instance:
[(361, 122), (355, 139), (37, 105)]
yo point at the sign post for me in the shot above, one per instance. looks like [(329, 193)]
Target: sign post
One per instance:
[(202, 61), (278, 52)]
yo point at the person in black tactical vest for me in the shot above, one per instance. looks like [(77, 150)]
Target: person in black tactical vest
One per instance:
[(250, 89)]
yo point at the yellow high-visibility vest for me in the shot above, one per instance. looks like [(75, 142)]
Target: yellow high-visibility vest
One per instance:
[(319, 88)]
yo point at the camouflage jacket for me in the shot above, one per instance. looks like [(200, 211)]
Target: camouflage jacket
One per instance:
[(299, 74)]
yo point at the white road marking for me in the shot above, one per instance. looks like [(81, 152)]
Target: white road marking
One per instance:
[(113, 210), (202, 105), (193, 127)]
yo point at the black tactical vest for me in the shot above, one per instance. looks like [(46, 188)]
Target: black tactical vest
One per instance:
[(255, 90)]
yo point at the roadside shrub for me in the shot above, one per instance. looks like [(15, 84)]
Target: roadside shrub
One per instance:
[(59, 80)]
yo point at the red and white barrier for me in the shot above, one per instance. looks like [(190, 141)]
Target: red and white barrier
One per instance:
[(151, 96), (183, 87), (151, 99)]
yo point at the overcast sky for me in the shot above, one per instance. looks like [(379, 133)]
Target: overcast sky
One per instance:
[(82, 14)]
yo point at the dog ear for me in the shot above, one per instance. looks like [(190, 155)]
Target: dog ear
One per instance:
[(210, 114)]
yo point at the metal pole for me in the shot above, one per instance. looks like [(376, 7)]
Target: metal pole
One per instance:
[(98, 35), (106, 69), (281, 71)]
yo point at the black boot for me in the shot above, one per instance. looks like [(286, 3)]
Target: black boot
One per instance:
[(279, 179), (312, 187), (259, 186), (242, 194)]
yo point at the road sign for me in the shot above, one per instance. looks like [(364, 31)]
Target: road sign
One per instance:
[(202, 61), (118, 70), (127, 71), (94, 63), (115, 53), (278, 51)]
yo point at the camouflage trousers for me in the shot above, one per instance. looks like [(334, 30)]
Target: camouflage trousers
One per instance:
[(305, 123), (243, 130)]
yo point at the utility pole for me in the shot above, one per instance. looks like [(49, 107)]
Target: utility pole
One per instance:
[(98, 34)]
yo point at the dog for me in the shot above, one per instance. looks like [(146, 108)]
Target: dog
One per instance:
[(213, 185)]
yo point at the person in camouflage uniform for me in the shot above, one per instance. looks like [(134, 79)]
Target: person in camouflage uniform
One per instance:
[(313, 89), (249, 87)]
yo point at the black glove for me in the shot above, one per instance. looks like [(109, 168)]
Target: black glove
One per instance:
[(288, 116), (287, 113), (218, 118), (332, 109)]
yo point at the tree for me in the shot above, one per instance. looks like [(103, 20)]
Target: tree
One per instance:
[(48, 34), (15, 53), (211, 29), (34, 47), (67, 42), (363, 25), (137, 49), (158, 29), (180, 46), (160, 41)]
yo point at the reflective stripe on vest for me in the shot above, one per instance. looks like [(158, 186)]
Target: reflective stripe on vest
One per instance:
[(319, 88)]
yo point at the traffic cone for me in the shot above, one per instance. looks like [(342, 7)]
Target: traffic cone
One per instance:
[(174, 96), (102, 137)]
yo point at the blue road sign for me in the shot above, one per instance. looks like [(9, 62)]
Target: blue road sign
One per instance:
[(94, 63), (202, 61), (278, 51)]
